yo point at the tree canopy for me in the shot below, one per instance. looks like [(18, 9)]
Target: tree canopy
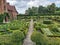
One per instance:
[(50, 9)]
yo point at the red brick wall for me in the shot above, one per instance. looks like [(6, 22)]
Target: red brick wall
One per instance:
[(1, 6), (12, 11), (5, 7)]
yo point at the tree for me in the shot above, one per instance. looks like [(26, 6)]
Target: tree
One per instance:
[(32, 11), (40, 9), (35, 10), (51, 8), (29, 11)]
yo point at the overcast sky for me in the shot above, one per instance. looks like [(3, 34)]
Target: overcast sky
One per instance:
[(22, 5)]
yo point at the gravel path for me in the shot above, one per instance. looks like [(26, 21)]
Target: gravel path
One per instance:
[(27, 40)]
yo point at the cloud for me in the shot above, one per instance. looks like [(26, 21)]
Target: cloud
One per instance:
[(39, 2), (22, 5)]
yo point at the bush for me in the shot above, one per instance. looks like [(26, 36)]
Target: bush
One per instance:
[(25, 32), (39, 38), (55, 30), (38, 27), (47, 22), (17, 36), (14, 28), (58, 20), (5, 39)]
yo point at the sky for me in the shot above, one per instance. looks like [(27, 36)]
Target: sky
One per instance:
[(22, 5)]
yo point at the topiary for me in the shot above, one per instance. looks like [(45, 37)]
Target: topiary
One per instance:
[(17, 36), (47, 22), (55, 30), (39, 38)]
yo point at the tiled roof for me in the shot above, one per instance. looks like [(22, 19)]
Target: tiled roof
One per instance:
[(11, 8)]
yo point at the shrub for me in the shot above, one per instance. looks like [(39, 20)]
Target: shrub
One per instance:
[(47, 22), (17, 36), (25, 32), (58, 20), (37, 27), (14, 27), (55, 30), (39, 38)]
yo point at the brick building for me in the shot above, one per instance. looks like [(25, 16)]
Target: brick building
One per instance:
[(11, 10)]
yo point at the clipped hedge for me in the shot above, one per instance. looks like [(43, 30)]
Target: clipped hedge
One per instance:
[(39, 38), (17, 36), (58, 20), (47, 22)]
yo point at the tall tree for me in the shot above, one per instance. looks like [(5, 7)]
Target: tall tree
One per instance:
[(32, 11), (40, 9), (35, 10), (51, 8), (29, 11)]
